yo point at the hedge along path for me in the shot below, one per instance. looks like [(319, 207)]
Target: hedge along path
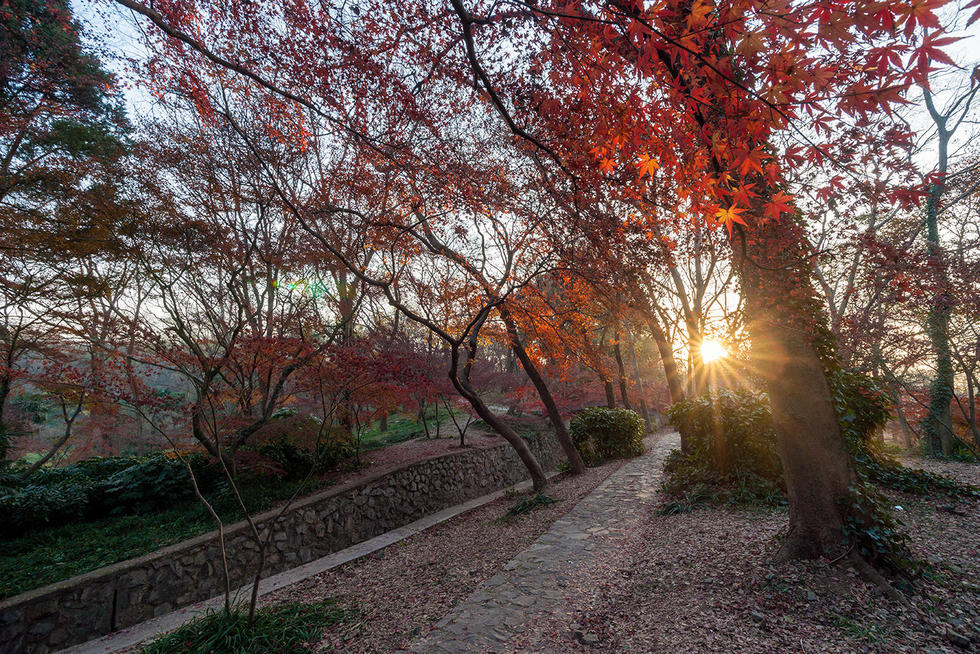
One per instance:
[(541, 581)]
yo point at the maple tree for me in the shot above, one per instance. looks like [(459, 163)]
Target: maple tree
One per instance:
[(682, 103)]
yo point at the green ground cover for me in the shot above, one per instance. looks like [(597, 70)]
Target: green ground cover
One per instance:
[(43, 556)]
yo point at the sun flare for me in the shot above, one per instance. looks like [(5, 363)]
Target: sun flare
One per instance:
[(712, 351)]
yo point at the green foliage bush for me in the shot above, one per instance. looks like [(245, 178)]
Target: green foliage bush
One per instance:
[(298, 459), (123, 485), (731, 451), (97, 488), (732, 458), (601, 434), (280, 628)]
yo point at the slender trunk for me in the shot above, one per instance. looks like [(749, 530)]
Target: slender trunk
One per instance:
[(902, 422), (791, 348), (421, 417), (498, 425), (618, 354), (938, 423), (607, 385), (460, 379), (972, 407), (5, 436), (575, 462), (4, 394), (69, 422), (461, 430), (675, 383), (639, 385), (698, 376)]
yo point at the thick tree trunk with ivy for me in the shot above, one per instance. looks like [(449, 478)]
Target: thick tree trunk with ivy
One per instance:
[(938, 424), (792, 348)]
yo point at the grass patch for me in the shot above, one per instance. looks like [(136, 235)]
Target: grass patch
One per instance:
[(406, 426), (278, 628), (871, 633), (527, 504), (401, 428), (43, 557)]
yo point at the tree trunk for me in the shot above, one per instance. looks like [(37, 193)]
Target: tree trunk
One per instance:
[(607, 386), (461, 382), (5, 436), (618, 354), (675, 384), (791, 349), (972, 407), (512, 437), (575, 462), (639, 385), (939, 423), (903, 423)]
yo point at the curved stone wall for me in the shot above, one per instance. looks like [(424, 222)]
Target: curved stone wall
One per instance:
[(96, 603)]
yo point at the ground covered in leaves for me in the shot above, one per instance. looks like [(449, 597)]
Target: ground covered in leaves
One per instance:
[(702, 581), (395, 595)]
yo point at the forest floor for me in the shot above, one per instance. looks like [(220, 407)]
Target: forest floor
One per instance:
[(703, 581), (693, 582)]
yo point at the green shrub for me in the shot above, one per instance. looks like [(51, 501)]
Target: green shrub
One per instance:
[(149, 483), (730, 430), (297, 460), (38, 505), (97, 488), (601, 434), (285, 628), (731, 451)]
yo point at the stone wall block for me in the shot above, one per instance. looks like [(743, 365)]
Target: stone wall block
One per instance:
[(81, 608)]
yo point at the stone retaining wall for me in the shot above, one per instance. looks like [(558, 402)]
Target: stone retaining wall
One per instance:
[(99, 602)]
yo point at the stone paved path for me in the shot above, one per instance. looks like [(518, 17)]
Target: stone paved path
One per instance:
[(534, 585)]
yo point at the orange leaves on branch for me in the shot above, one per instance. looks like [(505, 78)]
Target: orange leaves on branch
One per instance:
[(647, 166), (698, 15), (730, 215), (779, 204), (752, 162)]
